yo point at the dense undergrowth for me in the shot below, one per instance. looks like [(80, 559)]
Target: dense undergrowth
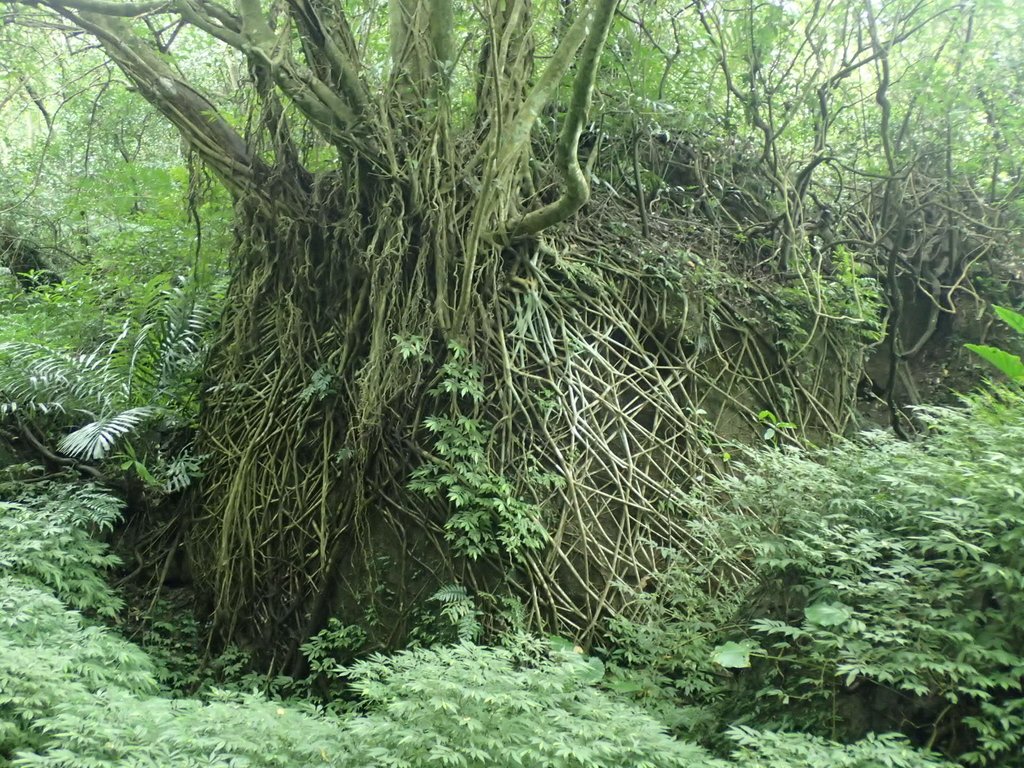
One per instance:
[(887, 595), (886, 600)]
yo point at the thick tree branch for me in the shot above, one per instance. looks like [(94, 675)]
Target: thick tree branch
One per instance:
[(577, 189), (331, 112), (247, 30), (505, 65), (421, 42), (199, 122), (213, 20), (330, 49), (123, 10), (517, 134), (52, 458)]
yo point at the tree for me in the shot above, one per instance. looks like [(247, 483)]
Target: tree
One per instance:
[(421, 378), (385, 202)]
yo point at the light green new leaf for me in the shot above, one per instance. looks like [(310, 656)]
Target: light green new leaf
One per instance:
[(828, 614), (1007, 363), (734, 655), (1013, 319)]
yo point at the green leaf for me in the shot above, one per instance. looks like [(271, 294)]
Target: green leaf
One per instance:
[(828, 614), (95, 440), (562, 644), (1013, 319), (145, 474), (734, 655), (626, 685), (1007, 363), (591, 670)]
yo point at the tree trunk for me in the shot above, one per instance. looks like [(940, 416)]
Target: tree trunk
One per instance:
[(309, 421)]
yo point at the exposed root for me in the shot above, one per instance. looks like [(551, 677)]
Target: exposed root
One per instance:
[(598, 377)]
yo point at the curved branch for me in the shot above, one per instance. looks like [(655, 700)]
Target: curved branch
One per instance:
[(213, 20), (61, 461), (517, 134), (577, 188)]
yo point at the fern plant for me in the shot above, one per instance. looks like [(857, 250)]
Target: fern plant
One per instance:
[(49, 655), (74, 695), (487, 515), (458, 608), (476, 707), (146, 374), (770, 749)]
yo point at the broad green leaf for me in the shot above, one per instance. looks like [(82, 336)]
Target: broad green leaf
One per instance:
[(733, 655), (562, 644), (1013, 319), (145, 474), (1007, 363), (591, 670), (828, 614)]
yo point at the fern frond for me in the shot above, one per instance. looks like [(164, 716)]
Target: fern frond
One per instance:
[(450, 593), (90, 506), (35, 374), (8, 407), (165, 349), (184, 324), (141, 364), (94, 441), (182, 470)]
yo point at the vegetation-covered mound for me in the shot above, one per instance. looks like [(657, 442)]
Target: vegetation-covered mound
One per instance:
[(503, 275)]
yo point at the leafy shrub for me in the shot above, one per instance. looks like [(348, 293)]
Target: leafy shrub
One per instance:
[(767, 749), (73, 694), (470, 706), (47, 542), (120, 729), (660, 650), (892, 589), (1009, 364), (50, 655), (487, 515), (889, 591)]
